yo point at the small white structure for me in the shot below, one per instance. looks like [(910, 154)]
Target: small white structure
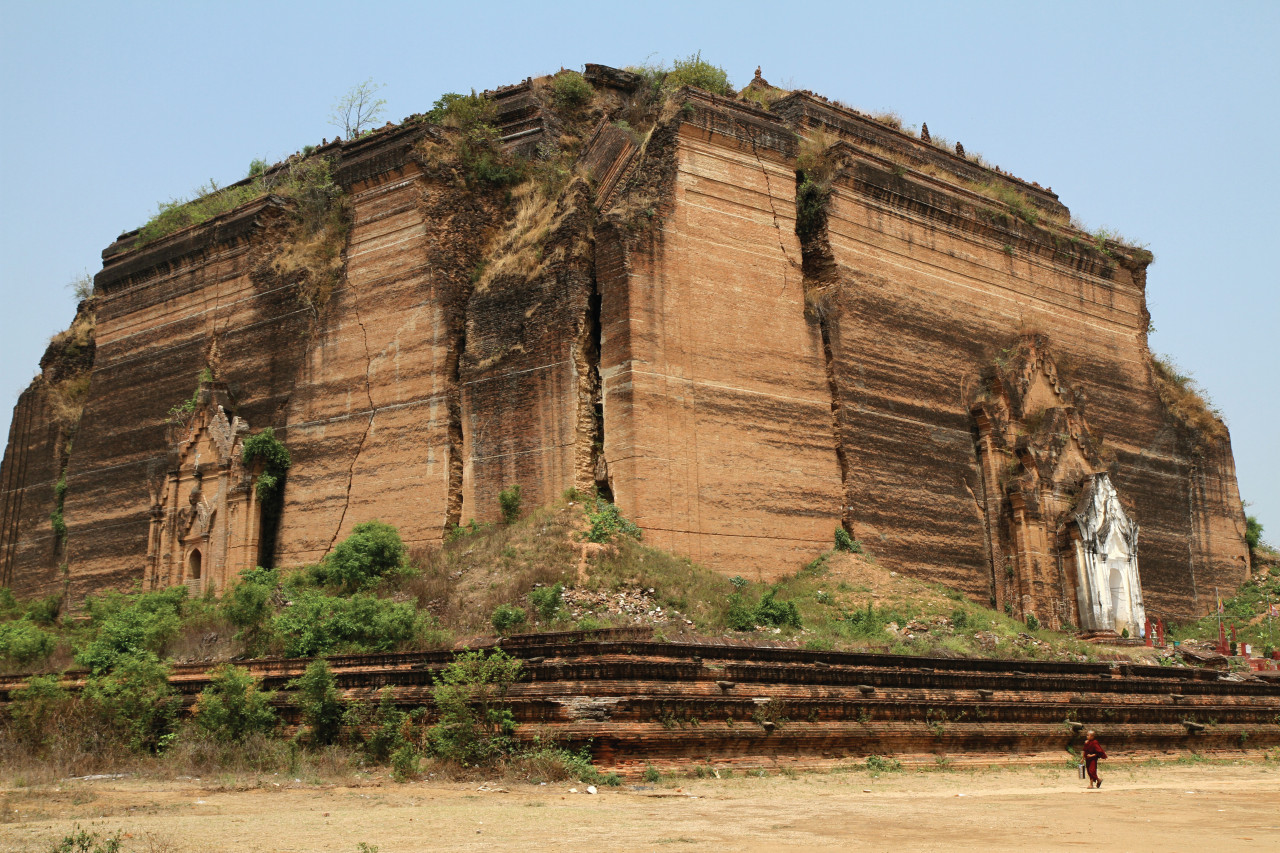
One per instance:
[(1108, 589)]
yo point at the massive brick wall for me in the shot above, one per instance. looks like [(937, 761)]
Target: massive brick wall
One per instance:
[(185, 304), (718, 426), (664, 350), (28, 547)]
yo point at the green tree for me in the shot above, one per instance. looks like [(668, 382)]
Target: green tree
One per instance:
[(373, 550), (232, 707), (129, 625), (509, 502), (247, 605), (136, 700), (1252, 532), (320, 624), (319, 704), (475, 723), (22, 642)]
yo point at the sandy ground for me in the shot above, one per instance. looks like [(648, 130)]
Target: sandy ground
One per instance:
[(1167, 807)]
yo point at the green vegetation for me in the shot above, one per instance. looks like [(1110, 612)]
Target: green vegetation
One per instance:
[(56, 519), (264, 447), (547, 600), (232, 707), (359, 562), (474, 724), (80, 840), (476, 145), (355, 112), (1187, 404), (1246, 610), (846, 543), (509, 503), (181, 412), (22, 642), (1252, 532), (319, 624), (767, 611), (693, 71), (319, 706), (571, 91), (306, 181), (129, 626), (507, 618), (608, 523)]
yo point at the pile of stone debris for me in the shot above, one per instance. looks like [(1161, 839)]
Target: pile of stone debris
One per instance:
[(636, 605)]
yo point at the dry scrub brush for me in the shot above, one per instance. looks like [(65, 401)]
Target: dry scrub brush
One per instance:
[(520, 250), (1186, 403)]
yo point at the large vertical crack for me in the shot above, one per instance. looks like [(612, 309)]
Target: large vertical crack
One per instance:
[(777, 226), (591, 469), (453, 369), (821, 284), (368, 390)]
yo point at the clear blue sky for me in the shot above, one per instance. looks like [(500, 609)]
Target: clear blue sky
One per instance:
[(1158, 119)]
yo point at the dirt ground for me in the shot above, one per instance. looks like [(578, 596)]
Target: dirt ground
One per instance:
[(1140, 807)]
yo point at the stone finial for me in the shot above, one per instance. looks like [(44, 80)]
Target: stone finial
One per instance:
[(959, 149), (924, 132), (757, 72)]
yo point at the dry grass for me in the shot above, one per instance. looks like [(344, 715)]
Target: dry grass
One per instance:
[(763, 96), (463, 582), (66, 399), (1185, 401), (889, 118), (313, 256), (519, 251)]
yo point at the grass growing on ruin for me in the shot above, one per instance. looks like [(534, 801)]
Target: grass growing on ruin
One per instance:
[(307, 180), (1187, 403)]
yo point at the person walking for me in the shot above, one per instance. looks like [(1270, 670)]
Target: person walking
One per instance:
[(1092, 752)]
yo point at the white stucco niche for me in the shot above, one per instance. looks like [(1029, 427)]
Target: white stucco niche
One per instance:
[(1108, 586)]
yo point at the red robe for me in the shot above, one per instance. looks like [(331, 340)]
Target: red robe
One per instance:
[(1092, 752)]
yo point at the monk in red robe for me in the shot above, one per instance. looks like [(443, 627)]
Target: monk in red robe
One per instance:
[(1092, 752)]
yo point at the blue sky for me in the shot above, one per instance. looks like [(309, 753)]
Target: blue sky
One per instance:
[(1157, 119)]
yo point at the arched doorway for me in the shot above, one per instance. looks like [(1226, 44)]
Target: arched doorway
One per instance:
[(1119, 601), (193, 565)]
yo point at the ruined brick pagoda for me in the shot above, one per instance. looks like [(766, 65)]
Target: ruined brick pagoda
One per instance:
[(746, 326)]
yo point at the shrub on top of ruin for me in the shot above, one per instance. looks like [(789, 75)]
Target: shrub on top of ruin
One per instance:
[(694, 71), (373, 550), (209, 200), (356, 111), (477, 146), (233, 707), (571, 90), (1252, 532), (509, 503), (474, 724), (889, 118)]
